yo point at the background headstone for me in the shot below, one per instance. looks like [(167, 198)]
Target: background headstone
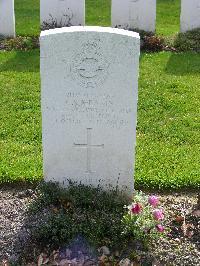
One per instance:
[(190, 15), (7, 18), (134, 14), (64, 12), (89, 105)]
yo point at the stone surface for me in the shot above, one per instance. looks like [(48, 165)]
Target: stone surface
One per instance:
[(89, 78), (7, 18), (134, 14), (190, 15), (64, 12)]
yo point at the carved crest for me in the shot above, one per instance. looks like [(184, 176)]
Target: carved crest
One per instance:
[(89, 67)]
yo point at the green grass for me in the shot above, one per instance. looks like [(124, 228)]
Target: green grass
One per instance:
[(168, 133), (98, 12), (27, 17), (168, 17), (168, 129), (20, 156)]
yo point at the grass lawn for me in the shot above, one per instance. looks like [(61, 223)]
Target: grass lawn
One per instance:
[(168, 17), (27, 17), (167, 134), (98, 12), (20, 137)]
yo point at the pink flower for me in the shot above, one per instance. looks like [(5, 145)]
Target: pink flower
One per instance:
[(153, 200), (136, 208), (160, 228), (158, 214)]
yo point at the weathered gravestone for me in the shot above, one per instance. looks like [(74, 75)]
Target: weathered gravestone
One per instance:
[(7, 18), (134, 14), (190, 15), (89, 79), (61, 13)]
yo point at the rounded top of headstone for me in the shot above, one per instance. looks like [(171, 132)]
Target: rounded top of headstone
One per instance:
[(89, 29)]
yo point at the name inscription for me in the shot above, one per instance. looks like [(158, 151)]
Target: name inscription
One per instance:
[(80, 108)]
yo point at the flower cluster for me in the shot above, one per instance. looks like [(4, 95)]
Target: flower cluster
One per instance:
[(144, 218)]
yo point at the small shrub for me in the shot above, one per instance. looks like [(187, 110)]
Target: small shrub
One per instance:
[(153, 43), (19, 43), (188, 41), (59, 215)]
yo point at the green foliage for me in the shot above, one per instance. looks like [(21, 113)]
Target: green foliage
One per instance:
[(19, 43), (188, 41), (77, 210)]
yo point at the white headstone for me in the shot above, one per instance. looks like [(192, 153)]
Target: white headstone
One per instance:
[(63, 12), (89, 79), (134, 14), (190, 15), (7, 18)]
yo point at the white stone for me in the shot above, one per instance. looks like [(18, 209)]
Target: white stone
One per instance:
[(89, 79), (64, 12), (190, 15), (134, 14), (7, 18)]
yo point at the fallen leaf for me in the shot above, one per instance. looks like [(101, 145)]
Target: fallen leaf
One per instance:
[(179, 219), (196, 213), (55, 210), (5, 263), (190, 233), (103, 258), (186, 228)]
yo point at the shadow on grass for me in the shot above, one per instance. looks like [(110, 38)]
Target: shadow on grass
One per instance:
[(183, 64), (20, 61)]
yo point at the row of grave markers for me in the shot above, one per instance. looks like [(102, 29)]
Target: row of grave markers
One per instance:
[(126, 14)]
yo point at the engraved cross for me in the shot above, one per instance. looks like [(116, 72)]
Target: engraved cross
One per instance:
[(89, 147)]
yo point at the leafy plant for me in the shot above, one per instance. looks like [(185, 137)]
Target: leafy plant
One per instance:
[(144, 222), (188, 41), (153, 43), (19, 43), (58, 215)]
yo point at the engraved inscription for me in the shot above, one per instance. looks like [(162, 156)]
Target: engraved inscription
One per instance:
[(80, 107), (89, 68), (89, 147)]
